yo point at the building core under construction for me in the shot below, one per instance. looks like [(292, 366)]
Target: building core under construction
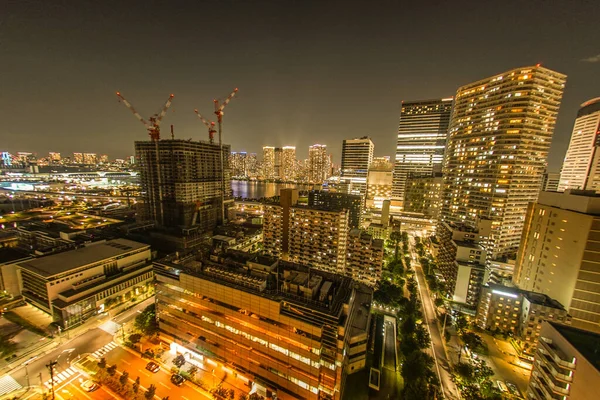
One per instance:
[(181, 183)]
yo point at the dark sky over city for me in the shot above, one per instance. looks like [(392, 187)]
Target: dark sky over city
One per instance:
[(307, 71)]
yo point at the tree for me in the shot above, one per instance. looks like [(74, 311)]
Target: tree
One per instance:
[(417, 365), (422, 336), (136, 385), (112, 370), (387, 293), (135, 338), (7, 346), (461, 323), (149, 395), (145, 322), (102, 363), (179, 360), (408, 326), (165, 398), (438, 302), (124, 378), (395, 237), (471, 340)]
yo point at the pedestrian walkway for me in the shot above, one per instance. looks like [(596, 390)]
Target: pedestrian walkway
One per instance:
[(61, 376), (8, 384), (107, 347), (110, 327)]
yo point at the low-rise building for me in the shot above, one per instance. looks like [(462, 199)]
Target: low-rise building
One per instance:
[(286, 330), (566, 364), (519, 312), (77, 284)]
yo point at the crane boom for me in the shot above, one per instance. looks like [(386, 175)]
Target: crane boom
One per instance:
[(128, 105), (209, 124), (164, 110), (227, 100)]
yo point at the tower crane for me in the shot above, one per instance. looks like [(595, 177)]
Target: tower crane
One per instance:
[(219, 113), (153, 123), (209, 124)]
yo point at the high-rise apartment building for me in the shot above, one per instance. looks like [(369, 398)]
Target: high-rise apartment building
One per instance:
[(268, 164), (566, 364), (90, 158), (550, 181), (319, 163), (560, 253), (278, 163), (357, 156), (422, 195), (498, 142), (181, 182), (288, 163), (288, 331), (252, 165), (364, 256), (581, 166), (379, 182), (337, 201), (421, 140), (78, 158), (104, 159), (54, 157), (237, 162), (320, 236)]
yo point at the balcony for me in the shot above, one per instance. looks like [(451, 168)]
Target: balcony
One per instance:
[(546, 377), (557, 355), (545, 359)]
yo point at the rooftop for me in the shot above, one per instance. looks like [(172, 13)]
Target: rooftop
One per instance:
[(581, 201), (62, 262), (585, 342)]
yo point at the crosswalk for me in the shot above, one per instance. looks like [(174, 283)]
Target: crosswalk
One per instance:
[(60, 377), (102, 351), (8, 384)]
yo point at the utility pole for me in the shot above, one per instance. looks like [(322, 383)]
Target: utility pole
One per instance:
[(50, 367)]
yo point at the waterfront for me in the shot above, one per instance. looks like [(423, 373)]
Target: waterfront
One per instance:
[(258, 190)]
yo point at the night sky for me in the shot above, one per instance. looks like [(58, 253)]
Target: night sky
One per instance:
[(308, 72)]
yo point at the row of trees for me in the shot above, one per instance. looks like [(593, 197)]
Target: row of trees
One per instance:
[(122, 383), (420, 381)]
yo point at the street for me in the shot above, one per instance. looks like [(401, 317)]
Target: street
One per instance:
[(442, 366), (34, 371)]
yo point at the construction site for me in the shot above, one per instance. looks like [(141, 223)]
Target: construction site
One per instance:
[(185, 183)]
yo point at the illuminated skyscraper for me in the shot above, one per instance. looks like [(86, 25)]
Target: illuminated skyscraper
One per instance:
[(54, 157), (421, 140), (78, 158), (237, 161), (357, 155), (251, 165), (104, 159), (90, 158), (319, 163), (581, 168), (498, 141), (268, 164), (288, 163)]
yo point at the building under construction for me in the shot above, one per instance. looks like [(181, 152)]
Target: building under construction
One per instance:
[(181, 183)]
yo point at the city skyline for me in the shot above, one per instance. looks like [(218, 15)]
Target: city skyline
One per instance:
[(362, 99)]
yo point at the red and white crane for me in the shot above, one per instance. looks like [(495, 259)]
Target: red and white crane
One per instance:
[(219, 113), (153, 123), (209, 124)]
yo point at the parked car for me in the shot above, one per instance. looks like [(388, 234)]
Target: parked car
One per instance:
[(89, 385), (502, 387), (177, 379), (153, 367), (514, 390)]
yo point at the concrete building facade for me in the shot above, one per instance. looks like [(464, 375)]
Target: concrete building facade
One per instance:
[(181, 183), (498, 142), (566, 364), (581, 163), (560, 253), (74, 285), (285, 330), (421, 141)]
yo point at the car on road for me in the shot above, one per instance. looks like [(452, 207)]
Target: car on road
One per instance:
[(514, 390), (153, 367), (89, 385), (177, 379), (502, 387)]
